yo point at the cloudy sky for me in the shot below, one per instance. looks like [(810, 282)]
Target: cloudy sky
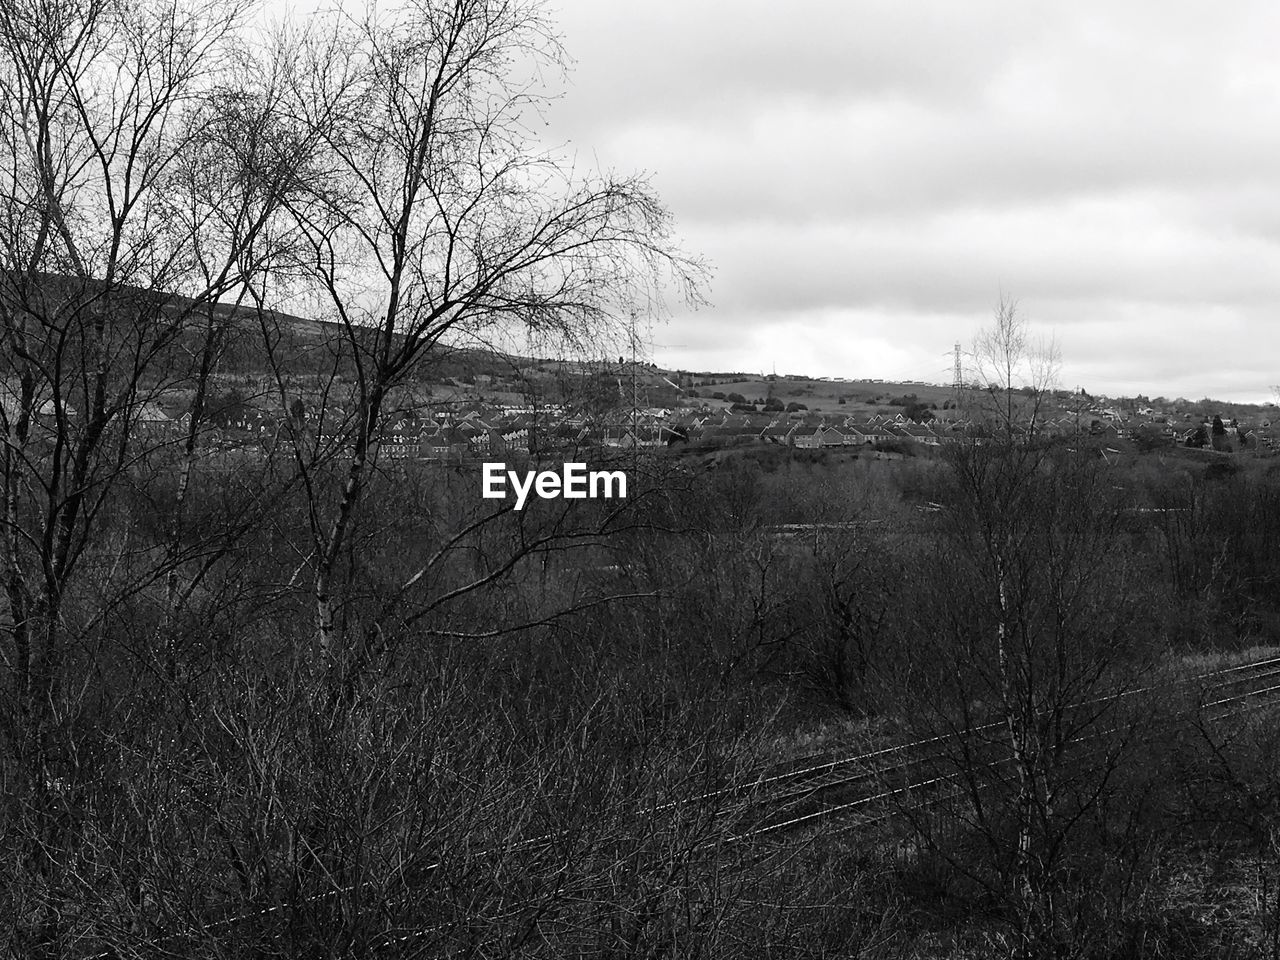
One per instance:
[(867, 176)]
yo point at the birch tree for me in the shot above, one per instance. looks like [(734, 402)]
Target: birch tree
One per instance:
[(446, 221), (1014, 371), (1030, 644), (133, 198)]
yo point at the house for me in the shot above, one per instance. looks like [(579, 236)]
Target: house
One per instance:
[(779, 433), (561, 436), (478, 438), (875, 431), (807, 438), (831, 437), (398, 448), (151, 421), (670, 435), (615, 436), (1103, 430), (514, 434), (920, 433), (856, 436), (647, 437), (447, 443)]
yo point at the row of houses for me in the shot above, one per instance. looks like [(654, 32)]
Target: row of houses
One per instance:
[(812, 432), (818, 432), (488, 432), (475, 435), (488, 429)]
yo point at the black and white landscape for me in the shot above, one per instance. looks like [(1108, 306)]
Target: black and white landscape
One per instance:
[(482, 479)]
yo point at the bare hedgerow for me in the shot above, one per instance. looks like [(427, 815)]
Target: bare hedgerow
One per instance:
[(420, 822)]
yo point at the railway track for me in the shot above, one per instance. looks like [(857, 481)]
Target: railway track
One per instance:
[(848, 792), (874, 788), (887, 776)]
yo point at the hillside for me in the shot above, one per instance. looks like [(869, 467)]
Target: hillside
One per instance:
[(314, 350)]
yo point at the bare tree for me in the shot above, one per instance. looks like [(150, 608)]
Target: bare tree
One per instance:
[(114, 253), (85, 151), (140, 167), (1013, 372), (445, 220), (1026, 652)]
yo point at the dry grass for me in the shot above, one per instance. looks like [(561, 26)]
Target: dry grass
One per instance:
[(1206, 661), (830, 735)]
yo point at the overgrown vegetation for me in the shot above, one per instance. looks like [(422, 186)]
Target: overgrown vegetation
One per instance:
[(616, 665), (299, 699)]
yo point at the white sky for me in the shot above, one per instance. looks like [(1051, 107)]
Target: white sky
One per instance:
[(866, 176)]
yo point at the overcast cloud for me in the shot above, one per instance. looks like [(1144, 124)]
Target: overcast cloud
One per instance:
[(867, 177)]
